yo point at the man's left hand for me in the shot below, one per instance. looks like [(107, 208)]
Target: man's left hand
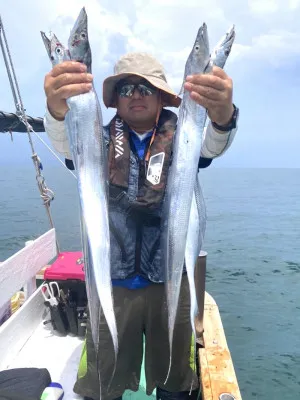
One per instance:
[(214, 92)]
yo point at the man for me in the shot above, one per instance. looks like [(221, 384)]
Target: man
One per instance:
[(141, 129)]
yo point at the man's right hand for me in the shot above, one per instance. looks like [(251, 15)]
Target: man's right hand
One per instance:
[(63, 81)]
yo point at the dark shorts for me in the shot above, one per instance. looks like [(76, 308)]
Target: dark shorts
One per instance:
[(141, 312)]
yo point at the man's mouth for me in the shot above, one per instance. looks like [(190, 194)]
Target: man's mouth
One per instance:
[(137, 107)]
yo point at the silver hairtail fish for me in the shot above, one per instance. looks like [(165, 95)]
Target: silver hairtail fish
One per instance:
[(197, 222), (91, 151), (78, 43), (222, 49), (83, 123), (194, 243), (181, 181), (56, 51)]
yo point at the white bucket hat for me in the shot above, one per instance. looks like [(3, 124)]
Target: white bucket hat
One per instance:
[(145, 66)]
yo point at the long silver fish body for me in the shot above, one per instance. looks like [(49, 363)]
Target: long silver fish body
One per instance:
[(85, 126), (194, 243), (181, 182), (197, 222), (218, 58), (83, 123), (57, 54)]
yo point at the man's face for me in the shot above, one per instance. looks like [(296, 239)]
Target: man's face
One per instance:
[(137, 106)]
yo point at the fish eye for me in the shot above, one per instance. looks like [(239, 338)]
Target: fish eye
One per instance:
[(197, 47), (83, 35), (58, 50)]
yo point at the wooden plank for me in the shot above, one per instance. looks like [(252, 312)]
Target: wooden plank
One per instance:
[(17, 270), (217, 370), (19, 327), (209, 300)]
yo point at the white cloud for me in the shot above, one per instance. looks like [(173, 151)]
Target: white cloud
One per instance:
[(274, 49), (294, 4), (266, 32), (263, 6)]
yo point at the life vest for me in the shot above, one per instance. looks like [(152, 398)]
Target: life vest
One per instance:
[(154, 171)]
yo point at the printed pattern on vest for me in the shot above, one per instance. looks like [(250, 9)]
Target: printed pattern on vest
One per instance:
[(119, 149)]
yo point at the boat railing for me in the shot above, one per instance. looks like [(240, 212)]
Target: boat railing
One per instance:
[(19, 271)]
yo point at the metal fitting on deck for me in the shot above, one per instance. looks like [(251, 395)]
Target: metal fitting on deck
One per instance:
[(226, 396)]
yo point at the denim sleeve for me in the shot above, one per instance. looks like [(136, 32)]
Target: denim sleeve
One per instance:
[(204, 162), (69, 164)]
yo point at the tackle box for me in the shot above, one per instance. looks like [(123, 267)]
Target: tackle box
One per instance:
[(71, 312)]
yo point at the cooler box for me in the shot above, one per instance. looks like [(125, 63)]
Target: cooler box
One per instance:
[(71, 314), (67, 266)]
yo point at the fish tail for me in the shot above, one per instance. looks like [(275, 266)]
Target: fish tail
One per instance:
[(116, 351), (170, 364), (113, 373), (99, 374), (171, 329), (193, 364), (96, 345), (194, 361), (171, 333), (193, 314), (112, 325)]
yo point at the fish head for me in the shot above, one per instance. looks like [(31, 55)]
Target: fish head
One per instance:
[(55, 49), (222, 50), (78, 43), (47, 43), (200, 54)]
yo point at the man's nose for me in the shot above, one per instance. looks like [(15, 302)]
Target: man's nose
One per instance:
[(136, 94)]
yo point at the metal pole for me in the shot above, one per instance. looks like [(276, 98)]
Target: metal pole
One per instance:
[(200, 272)]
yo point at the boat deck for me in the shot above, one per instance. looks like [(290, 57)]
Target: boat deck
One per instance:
[(60, 355), (26, 342)]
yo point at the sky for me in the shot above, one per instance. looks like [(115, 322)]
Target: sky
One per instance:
[(264, 63)]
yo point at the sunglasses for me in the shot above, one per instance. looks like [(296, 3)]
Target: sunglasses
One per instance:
[(127, 89)]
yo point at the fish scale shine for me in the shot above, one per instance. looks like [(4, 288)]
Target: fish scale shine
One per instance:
[(184, 203), (83, 124), (197, 222), (181, 182)]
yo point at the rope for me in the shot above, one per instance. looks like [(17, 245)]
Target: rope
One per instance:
[(47, 195), (54, 154)]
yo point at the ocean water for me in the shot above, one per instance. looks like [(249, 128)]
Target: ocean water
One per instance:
[(253, 264)]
